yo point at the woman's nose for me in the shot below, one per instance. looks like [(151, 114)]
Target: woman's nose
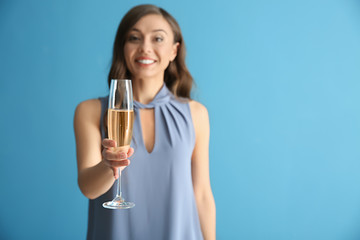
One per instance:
[(145, 46)]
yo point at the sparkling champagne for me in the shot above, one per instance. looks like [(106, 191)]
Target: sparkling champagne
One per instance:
[(120, 126)]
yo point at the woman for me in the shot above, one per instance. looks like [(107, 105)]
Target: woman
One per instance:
[(168, 178)]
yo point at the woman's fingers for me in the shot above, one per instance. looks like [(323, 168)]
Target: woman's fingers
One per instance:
[(108, 143), (117, 163), (116, 172), (116, 158), (111, 155), (130, 152), (122, 163)]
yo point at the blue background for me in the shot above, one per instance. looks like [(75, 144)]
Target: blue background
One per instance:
[(280, 80)]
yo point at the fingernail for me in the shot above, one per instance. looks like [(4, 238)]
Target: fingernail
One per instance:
[(122, 155)]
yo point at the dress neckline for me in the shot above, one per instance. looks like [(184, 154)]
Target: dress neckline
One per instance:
[(162, 97)]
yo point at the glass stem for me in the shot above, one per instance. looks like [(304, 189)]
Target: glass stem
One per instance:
[(118, 194)]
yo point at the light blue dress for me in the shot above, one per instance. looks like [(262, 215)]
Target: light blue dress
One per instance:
[(159, 183)]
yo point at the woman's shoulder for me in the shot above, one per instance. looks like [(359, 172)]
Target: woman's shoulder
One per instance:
[(197, 108), (89, 105), (199, 113), (89, 109)]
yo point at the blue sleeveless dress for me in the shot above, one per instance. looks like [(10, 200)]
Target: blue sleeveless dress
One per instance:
[(159, 183)]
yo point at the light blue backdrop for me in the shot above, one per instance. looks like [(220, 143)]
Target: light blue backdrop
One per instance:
[(281, 81)]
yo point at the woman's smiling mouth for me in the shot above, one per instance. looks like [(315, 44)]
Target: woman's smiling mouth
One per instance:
[(145, 61)]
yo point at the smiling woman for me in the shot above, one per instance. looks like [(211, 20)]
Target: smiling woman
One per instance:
[(169, 174), (150, 47)]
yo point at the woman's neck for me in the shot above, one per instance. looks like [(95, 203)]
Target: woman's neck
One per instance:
[(145, 90)]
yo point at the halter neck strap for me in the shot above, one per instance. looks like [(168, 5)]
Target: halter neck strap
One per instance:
[(162, 97)]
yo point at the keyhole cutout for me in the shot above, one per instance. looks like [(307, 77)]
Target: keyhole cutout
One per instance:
[(147, 119)]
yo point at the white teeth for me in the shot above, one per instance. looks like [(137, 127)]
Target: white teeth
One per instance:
[(146, 61)]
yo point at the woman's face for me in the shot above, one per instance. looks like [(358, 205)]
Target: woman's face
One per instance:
[(149, 47)]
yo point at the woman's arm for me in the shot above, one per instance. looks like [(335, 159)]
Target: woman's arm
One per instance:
[(94, 177), (96, 169), (200, 171)]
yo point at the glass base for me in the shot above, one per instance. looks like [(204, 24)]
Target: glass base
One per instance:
[(118, 205)]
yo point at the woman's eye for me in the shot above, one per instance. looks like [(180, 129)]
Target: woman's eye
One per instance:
[(133, 38), (159, 39)]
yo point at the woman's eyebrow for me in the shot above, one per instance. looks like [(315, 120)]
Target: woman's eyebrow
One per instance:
[(135, 29), (160, 30), (155, 30)]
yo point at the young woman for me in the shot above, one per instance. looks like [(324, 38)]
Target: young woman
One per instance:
[(168, 178)]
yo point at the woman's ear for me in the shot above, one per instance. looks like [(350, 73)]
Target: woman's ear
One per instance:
[(174, 51)]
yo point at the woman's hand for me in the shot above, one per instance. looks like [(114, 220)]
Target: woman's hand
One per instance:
[(116, 157)]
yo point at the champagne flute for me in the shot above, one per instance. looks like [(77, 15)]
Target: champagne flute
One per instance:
[(120, 127)]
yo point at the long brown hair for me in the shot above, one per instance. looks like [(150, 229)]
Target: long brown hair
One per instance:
[(176, 77)]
